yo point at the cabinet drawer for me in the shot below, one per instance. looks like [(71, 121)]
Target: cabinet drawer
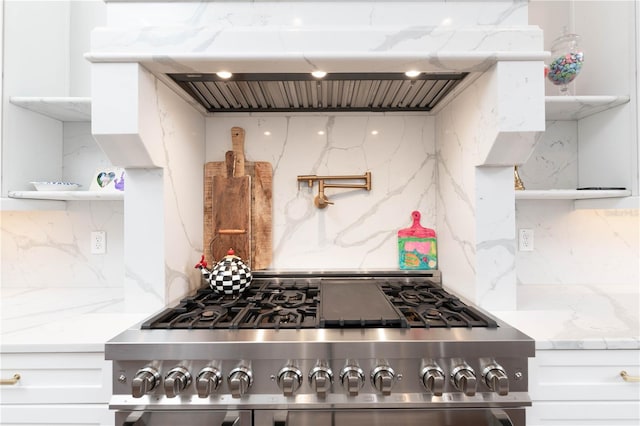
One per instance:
[(56, 378), (50, 415), (592, 413), (584, 375)]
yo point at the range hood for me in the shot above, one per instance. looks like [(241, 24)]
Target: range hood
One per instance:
[(336, 92)]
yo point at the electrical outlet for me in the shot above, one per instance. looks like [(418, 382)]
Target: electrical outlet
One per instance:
[(525, 241), (98, 242)]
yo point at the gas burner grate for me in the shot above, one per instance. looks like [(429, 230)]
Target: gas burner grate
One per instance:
[(301, 304), (432, 306)]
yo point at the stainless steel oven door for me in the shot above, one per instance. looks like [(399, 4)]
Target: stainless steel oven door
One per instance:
[(183, 418), (405, 417)]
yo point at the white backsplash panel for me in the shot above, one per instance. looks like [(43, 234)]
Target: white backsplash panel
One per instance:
[(554, 161), (594, 247), (360, 230), (52, 248)]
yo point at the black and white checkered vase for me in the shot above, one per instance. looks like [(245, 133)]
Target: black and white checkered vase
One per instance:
[(230, 276)]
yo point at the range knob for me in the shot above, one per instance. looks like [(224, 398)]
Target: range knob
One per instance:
[(289, 380), (320, 379), (208, 381), (433, 378), (176, 380), (145, 380), (382, 378), (240, 380), (496, 378), (352, 378), (464, 379)]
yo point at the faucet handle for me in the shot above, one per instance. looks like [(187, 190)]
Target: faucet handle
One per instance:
[(321, 201)]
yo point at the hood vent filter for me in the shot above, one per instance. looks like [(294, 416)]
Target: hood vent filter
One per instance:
[(372, 92)]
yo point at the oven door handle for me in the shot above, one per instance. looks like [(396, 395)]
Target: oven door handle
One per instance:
[(136, 418), (231, 420), (500, 418)]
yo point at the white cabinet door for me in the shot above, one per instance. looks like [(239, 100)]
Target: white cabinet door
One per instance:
[(571, 387), (53, 378), (56, 414), (56, 389)]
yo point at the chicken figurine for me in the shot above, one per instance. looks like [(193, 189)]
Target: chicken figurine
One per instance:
[(230, 276)]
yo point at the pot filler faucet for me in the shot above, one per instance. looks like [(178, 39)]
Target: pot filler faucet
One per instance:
[(321, 200)]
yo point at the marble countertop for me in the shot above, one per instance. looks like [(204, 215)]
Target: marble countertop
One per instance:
[(61, 319), (578, 316), (83, 319)]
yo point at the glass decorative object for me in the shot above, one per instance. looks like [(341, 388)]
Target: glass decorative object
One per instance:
[(566, 62)]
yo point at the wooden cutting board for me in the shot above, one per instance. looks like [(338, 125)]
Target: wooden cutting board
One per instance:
[(240, 215)]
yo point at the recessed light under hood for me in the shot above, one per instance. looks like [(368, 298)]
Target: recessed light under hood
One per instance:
[(287, 92)]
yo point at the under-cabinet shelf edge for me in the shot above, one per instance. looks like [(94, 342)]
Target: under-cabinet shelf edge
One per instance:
[(569, 194), (25, 204), (68, 195), (564, 108), (59, 108)]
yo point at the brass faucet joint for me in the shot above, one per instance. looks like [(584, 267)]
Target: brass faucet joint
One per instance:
[(321, 200)]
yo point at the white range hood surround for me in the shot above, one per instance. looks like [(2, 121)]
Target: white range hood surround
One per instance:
[(143, 121), (165, 37)]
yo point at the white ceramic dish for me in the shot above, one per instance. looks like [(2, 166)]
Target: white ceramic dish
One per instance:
[(55, 186)]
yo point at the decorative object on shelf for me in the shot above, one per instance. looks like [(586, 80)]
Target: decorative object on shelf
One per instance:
[(55, 186), (230, 276), (417, 247), (566, 63), (518, 184), (108, 179), (321, 200)]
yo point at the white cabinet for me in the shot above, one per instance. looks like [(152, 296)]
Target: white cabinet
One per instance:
[(579, 387), (71, 388)]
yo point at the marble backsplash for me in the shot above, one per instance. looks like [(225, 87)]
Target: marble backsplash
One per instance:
[(360, 230), (51, 248), (573, 247)]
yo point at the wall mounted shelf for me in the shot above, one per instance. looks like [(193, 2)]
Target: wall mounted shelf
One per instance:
[(565, 108), (68, 195), (569, 194), (59, 108)]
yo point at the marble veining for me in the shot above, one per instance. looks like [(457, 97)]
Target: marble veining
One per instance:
[(292, 36), (51, 248), (553, 164), (359, 230)]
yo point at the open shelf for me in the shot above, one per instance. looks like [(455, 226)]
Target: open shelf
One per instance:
[(60, 108), (570, 194), (68, 195), (577, 107)]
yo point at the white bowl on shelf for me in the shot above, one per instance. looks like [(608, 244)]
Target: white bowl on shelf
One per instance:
[(55, 186)]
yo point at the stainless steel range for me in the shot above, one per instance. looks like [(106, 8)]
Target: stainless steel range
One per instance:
[(322, 349)]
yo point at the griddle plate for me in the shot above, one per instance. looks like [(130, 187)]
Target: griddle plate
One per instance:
[(356, 304)]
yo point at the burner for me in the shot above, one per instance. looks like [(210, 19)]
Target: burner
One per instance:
[(279, 317), (418, 297), (288, 298)]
